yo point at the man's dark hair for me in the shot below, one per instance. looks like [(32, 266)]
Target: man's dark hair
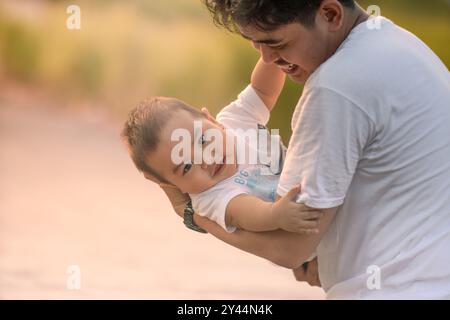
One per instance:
[(265, 15)]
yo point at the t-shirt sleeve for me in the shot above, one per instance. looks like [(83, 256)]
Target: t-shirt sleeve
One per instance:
[(246, 111), (330, 133), (213, 203)]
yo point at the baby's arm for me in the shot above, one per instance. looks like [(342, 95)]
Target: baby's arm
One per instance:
[(268, 81), (253, 214)]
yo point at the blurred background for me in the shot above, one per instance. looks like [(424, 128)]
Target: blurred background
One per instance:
[(69, 195)]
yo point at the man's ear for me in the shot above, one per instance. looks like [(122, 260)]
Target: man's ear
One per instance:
[(332, 13), (208, 116)]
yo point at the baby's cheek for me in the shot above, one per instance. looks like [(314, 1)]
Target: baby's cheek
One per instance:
[(198, 182)]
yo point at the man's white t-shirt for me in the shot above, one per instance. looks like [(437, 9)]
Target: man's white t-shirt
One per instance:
[(249, 114), (371, 134)]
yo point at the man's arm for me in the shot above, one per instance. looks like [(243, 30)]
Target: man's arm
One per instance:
[(284, 248), (268, 81)]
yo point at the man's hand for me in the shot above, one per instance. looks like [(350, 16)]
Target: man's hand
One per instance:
[(308, 272), (181, 203), (296, 217), (176, 197)]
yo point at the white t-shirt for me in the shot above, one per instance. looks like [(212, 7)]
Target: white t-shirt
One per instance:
[(371, 134), (248, 112)]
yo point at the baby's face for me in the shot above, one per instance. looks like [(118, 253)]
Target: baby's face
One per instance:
[(193, 176)]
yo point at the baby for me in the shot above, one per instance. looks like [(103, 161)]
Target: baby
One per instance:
[(205, 157)]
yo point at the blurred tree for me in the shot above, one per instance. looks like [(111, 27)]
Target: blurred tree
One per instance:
[(20, 51)]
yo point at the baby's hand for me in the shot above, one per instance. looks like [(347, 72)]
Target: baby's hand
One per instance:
[(296, 217)]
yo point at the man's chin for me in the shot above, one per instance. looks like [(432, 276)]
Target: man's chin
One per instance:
[(300, 79)]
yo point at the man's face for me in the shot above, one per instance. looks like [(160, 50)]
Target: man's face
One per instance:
[(190, 177), (296, 49)]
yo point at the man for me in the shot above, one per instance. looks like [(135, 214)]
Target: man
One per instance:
[(370, 148)]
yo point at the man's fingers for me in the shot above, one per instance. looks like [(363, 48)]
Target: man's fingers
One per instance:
[(313, 273), (176, 198), (300, 273), (292, 194), (308, 272)]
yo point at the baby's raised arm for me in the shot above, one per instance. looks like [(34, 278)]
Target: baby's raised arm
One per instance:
[(253, 214), (268, 81)]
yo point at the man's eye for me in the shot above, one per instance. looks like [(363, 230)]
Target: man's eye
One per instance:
[(278, 47), (186, 168)]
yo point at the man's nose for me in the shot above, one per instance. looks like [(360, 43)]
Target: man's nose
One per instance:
[(268, 54)]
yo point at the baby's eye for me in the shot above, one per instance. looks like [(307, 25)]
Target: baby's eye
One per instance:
[(278, 47), (186, 168), (202, 139)]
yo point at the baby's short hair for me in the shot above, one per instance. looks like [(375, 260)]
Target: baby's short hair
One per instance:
[(142, 130)]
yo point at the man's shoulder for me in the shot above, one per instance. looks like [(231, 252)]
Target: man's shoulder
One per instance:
[(361, 51), (370, 58)]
